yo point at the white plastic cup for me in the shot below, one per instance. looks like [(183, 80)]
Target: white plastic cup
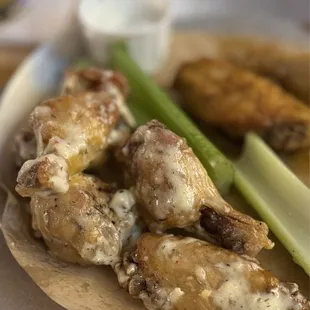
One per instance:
[(143, 24)]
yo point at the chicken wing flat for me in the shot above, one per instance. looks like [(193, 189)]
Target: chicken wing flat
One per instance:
[(288, 68), (71, 132), (175, 273), (89, 224), (78, 82), (238, 101), (173, 190)]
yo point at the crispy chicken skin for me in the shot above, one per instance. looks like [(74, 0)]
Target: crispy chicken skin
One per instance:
[(238, 101), (178, 273), (90, 224), (71, 132), (173, 190), (288, 68)]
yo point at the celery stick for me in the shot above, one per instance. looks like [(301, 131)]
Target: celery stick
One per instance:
[(280, 198), (140, 116), (148, 97)]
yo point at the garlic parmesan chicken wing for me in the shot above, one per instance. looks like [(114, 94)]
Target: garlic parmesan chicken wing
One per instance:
[(237, 101), (176, 273), (173, 190), (90, 224), (71, 132)]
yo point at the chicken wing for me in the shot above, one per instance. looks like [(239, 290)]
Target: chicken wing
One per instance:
[(90, 224), (176, 273), (78, 82), (238, 101), (71, 132), (173, 190), (288, 68), (98, 80)]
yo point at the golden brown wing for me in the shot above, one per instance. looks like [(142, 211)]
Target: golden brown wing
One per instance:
[(288, 68), (90, 224), (237, 101), (173, 190), (71, 132), (176, 273)]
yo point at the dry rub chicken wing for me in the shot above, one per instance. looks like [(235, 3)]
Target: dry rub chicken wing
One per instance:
[(89, 224), (238, 101), (71, 132), (173, 190), (176, 273), (288, 68)]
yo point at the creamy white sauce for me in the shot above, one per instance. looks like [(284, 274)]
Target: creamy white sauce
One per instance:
[(122, 203), (74, 142), (167, 247), (183, 194), (60, 177), (40, 144), (175, 295), (122, 277), (169, 190), (171, 299), (200, 274), (114, 137), (120, 102), (60, 184), (42, 111), (101, 252), (235, 292)]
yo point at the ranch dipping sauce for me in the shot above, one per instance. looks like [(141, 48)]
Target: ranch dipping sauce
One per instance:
[(144, 25)]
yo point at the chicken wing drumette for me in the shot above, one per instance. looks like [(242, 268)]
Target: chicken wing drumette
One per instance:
[(71, 132), (173, 190), (89, 224), (175, 273), (238, 101)]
